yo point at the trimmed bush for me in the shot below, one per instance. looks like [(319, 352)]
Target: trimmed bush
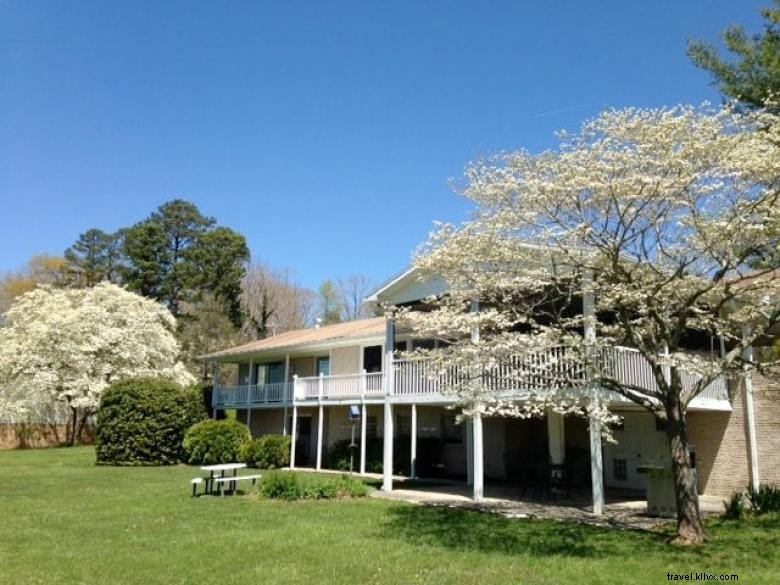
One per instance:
[(267, 452), (142, 421), (293, 486), (215, 441)]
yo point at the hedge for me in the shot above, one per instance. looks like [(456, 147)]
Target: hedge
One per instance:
[(142, 421), (215, 441)]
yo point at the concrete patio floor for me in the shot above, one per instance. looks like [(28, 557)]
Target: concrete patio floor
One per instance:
[(623, 511)]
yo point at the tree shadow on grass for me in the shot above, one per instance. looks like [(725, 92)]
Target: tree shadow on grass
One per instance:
[(477, 531)]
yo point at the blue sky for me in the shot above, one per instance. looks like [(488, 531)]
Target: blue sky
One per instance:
[(326, 132)]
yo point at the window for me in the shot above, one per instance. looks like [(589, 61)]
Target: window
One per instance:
[(620, 469), (323, 366), (372, 359), (423, 344), (660, 424), (450, 431), (269, 373)]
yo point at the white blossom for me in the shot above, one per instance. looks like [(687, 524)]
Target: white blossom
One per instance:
[(64, 347)]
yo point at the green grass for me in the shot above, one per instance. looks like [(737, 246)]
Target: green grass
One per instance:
[(64, 520)]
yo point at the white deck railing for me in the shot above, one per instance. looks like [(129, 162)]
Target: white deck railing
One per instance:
[(339, 387), (415, 378), (252, 394)]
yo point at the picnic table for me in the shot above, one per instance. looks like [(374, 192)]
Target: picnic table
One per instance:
[(218, 474)]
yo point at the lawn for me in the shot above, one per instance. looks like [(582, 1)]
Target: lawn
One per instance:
[(64, 520)]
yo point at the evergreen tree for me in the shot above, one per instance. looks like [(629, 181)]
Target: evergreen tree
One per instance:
[(93, 258), (754, 73)]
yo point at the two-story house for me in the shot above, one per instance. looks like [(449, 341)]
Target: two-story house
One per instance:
[(326, 385)]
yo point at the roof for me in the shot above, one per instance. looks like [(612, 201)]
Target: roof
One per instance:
[(390, 282), (301, 337)]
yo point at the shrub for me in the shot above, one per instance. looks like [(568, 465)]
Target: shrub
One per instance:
[(281, 486), (735, 506), (764, 499), (142, 421), (292, 486), (267, 452), (215, 441)]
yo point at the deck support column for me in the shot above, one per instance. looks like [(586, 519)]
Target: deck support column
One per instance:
[(596, 455), (215, 390), (293, 436), (555, 438), (363, 416), (750, 415), (478, 486), (252, 382), (469, 452), (387, 454), (389, 380), (413, 441), (319, 438), (288, 396)]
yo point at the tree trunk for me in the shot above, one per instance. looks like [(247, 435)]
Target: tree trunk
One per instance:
[(689, 525), (74, 415)]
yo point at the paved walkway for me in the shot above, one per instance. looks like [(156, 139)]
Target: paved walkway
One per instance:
[(621, 514)]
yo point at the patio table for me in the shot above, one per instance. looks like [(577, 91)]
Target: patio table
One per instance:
[(220, 468)]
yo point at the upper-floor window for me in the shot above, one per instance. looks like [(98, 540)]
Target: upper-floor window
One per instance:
[(272, 373), (323, 366)]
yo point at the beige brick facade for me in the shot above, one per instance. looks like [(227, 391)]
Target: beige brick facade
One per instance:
[(720, 441)]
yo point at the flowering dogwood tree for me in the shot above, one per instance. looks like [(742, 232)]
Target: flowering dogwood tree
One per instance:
[(654, 217), (62, 347)]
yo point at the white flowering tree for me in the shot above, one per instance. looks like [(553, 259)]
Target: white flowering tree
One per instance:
[(61, 348), (654, 216)]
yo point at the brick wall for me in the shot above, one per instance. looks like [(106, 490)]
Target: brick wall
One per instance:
[(720, 441)]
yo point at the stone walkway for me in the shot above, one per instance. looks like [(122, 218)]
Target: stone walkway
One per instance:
[(624, 515)]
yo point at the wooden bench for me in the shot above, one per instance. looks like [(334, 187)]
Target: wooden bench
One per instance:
[(235, 479)]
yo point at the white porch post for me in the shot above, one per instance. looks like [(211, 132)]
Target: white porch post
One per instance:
[(289, 395), (469, 452), (413, 454), (363, 416), (389, 379), (252, 381), (319, 438), (478, 487), (750, 415), (596, 456), (293, 436), (215, 390), (555, 438), (477, 449)]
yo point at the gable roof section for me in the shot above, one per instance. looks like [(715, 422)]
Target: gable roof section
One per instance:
[(303, 337), (407, 287)]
